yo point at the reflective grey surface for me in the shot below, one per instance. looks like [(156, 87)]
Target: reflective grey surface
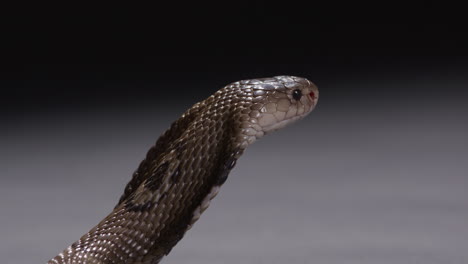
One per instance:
[(378, 178)]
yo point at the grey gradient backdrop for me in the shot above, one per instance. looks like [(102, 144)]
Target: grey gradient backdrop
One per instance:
[(376, 174)]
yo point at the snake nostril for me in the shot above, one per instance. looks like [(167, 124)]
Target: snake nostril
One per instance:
[(312, 94)]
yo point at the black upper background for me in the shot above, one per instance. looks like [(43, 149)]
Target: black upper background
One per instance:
[(85, 55)]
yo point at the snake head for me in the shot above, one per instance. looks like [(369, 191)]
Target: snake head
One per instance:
[(268, 104)]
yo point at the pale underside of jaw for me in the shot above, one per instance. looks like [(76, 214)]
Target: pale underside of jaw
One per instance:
[(280, 124), (269, 122), (279, 119)]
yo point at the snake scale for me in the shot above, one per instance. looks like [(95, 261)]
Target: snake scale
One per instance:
[(184, 170)]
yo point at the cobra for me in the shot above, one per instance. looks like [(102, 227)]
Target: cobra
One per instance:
[(184, 170)]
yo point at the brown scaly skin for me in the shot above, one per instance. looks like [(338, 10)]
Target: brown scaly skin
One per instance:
[(186, 167)]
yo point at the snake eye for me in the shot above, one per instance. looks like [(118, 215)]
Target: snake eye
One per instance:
[(297, 94)]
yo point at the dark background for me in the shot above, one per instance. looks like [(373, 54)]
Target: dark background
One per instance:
[(376, 174), (80, 56)]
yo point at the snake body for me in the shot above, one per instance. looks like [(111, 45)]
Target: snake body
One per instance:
[(184, 170)]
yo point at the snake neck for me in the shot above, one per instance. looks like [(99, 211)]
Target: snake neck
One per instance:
[(169, 191)]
